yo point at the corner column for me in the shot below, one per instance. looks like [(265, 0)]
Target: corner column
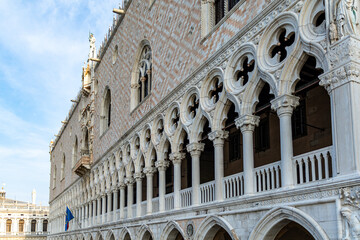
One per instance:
[(218, 137), (284, 106), (195, 150), (247, 124)]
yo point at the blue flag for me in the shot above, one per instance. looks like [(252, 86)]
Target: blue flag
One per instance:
[(68, 218)]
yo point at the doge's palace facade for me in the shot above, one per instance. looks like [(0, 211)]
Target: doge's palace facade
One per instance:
[(215, 120)]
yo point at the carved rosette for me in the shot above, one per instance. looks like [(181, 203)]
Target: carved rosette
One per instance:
[(247, 122), (285, 104)]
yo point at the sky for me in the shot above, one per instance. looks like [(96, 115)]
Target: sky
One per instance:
[(43, 46)]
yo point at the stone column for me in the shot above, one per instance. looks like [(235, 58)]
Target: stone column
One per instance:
[(138, 178), (218, 137), (149, 172), (195, 150), (247, 125), (122, 199), (343, 85), (94, 212), (284, 106), (86, 216), (98, 210), (109, 203), (83, 215), (103, 208), (115, 203), (130, 185), (162, 166), (176, 158)]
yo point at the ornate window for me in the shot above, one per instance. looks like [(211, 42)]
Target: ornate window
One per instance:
[(21, 225), (75, 152), (106, 112), (8, 225), (213, 11), (62, 172), (45, 226), (33, 225), (144, 79), (141, 83), (54, 177)]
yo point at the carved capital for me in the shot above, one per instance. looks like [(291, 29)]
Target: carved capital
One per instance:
[(122, 185), (247, 122), (342, 75), (177, 157), (138, 176), (162, 165), (195, 148), (149, 171), (285, 104), (218, 137), (129, 181), (142, 79)]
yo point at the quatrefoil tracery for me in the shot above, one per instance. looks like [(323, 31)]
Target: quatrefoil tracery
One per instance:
[(216, 88), (247, 68), (160, 129), (147, 137), (174, 119), (279, 49), (193, 106)]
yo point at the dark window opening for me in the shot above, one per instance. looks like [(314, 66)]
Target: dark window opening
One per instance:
[(298, 121), (232, 3), (219, 10)]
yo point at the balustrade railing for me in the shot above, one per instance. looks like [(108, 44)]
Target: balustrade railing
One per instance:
[(169, 201), (233, 185), (207, 192), (313, 166), (185, 196), (268, 177)]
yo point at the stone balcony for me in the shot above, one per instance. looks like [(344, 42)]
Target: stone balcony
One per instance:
[(84, 163)]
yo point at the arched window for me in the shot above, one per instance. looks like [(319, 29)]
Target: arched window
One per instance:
[(33, 225), (141, 82), (45, 225), (8, 225), (75, 152), (106, 111), (62, 172), (21, 225), (54, 177), (144, 68)]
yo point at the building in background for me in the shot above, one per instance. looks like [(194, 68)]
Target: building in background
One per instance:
[(22, 220), (215, 120)]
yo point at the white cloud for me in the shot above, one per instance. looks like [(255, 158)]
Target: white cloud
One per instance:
[(43, 45)]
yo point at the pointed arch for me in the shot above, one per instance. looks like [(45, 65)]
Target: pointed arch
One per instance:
[(221, 111), (209, 227), (169, 232), (145, 233), (273, 221), (125, 234), (110, 235)]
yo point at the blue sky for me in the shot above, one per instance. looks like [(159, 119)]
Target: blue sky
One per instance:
[(43, 45)]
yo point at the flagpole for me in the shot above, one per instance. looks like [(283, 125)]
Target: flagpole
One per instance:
[(75, 218)]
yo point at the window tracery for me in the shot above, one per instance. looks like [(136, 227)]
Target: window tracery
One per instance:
[(144, 68)]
